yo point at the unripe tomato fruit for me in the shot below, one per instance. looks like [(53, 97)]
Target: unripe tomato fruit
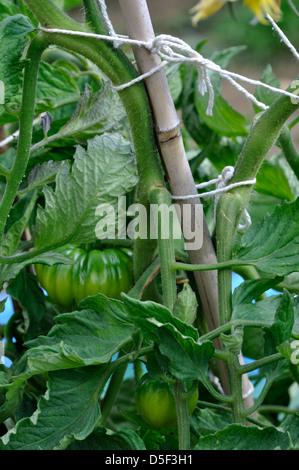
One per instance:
[(107, 271), (155, 402)]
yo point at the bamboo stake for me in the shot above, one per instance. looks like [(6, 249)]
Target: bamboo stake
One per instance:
[(176, 165)]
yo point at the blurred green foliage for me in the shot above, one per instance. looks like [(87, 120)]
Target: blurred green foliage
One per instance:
[(225, 29)]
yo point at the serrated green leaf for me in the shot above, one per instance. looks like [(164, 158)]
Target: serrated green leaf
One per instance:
[(99, 175), (41, 175), (56, 88), (149, 315), (291, 425), (273, 244), (87, 337), (238, 437), (103, 439), (188, 360), (95, 114), (206, 421), (68, 411), (13, 39)]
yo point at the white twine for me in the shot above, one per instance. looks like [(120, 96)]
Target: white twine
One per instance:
[(15, 135), (222, 187), (107, 21), (283, 37), (174, 50)]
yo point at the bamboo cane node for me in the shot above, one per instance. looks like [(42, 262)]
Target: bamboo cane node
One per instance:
[(167, 135)]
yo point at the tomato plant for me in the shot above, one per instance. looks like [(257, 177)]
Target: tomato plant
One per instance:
[(102, 148)]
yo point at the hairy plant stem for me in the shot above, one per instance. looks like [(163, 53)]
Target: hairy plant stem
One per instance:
[(230, 207), (182, 416), (16, 174), (117, 67), (289, 149), (160, 198), (236, 389), (112, 393)]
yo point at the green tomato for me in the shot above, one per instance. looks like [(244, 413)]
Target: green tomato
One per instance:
[(107, 271), (155, 402)]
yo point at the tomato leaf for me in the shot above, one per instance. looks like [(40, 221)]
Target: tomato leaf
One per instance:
[(188, 360), (291, 425), (98, 176), (13, 39), (272, 245), (103, 439), (265, 310), (238, 437), (87, 337), (55, 424), (12, 237), (252, 289), (272, 179), (263, 94), (10, 271), (150, 315), (95, 114), (282, 327)]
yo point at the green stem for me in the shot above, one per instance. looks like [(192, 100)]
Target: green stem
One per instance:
[(182, 416), (17, 172), (112, 393), (293, 122), (245, 369), (227, 327), (209, 267), (221, 408), (289, 149), (231, 205), (160, 199), (260, 399), (215, 394), (276, 409), (93, 17), (235, 379), (4, 172), (153, 269)]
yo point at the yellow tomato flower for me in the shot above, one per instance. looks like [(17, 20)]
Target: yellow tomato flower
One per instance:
[(260, 8), (206, 8)]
